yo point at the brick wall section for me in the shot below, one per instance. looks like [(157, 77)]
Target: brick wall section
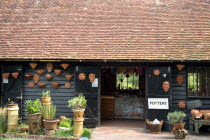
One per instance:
[(105, 29)]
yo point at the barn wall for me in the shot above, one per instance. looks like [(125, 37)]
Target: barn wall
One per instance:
[(60, 96)]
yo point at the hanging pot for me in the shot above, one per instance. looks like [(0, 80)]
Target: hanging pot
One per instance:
[(15, 74), (28, 76), (40, 71), (31, 84), (57, 71), (36, 78), (48, 77), (92, 77), (180, 67), (67, 85), (41, 84), (49, 67), (68, 76), (6, 75), (55, 84), (65, 65), (82, 76), (33, 65)]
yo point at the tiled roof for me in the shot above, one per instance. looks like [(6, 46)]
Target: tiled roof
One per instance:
[(105, 29)]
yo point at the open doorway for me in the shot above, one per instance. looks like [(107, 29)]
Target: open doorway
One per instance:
[(123, 97), (1, 86)]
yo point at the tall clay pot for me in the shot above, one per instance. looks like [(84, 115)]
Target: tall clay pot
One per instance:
[(46, 99), (12, 122), (34, 121), (78, 113), (78, 127)]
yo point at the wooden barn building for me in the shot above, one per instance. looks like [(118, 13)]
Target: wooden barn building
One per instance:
[(132, 59)]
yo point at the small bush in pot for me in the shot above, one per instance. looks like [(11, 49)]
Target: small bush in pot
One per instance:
[(33, 115), (176, 118), (48, 113), (78, 105), (46, 97)]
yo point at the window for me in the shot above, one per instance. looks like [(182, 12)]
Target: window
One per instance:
[(199, 81), (128, 81)]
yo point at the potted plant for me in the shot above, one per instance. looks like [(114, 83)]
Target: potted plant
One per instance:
[(48, 113), (3, 120), (176, 119), (65, 124), (33, 115), (46, 97), (78, 105), (23, 127)]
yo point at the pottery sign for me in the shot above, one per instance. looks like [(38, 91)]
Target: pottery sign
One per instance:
[(158, 103)]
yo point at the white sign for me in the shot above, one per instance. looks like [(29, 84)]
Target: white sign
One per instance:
[(5, 80), (95, 83), (158, 103)]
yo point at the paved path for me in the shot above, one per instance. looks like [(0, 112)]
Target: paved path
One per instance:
[(124, 133)]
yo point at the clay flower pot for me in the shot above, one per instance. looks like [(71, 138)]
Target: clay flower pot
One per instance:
[(68, 76), (49, 67), (31, 84), (36, 78), (67, 85), (46, 100), (179, 126), (40, 71), (48, 77), (55, 84), (15, 74), (200, 115), (65, 65), (6, 75), (41, 84), (180, 67), (194, 112), (28, 76), (207, 116), (33, 65), (82, 76), (57, 71), (24, 129)]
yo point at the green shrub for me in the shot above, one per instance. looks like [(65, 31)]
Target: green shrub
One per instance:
[(86, 133), (45, 93), (48, 111), (66, 123), (33, 107), (3, 119), (176, 117), (64, 133), (78, 102)]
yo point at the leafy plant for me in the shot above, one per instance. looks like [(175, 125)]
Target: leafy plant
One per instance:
[(176, 117), (33, 107), (78, 102), (23, 125), (48, 111), (3, 119), (86, 133), (64, 133), (66, 123), (45, 93)]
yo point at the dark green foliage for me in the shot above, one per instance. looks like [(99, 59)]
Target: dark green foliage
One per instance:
[(64, 133), (45, 93), (86, 133), (176, 117), (33, 107), (66, 123)]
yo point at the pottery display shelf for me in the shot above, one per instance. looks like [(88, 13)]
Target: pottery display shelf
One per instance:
[(196, 124)]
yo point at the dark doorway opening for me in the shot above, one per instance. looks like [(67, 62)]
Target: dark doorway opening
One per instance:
[(1, 86), (123, 97)]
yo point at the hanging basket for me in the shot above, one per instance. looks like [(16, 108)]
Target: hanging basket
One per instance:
[(28, 76), (40, 71), (49, 67), (41, 84), (33, 65), (68, 76), (6, 75), (15, 74), (31, 84), (48, 77), (57, 71), (65, 65), (154, 128), (55, 84), (67, 85), (36, 78)]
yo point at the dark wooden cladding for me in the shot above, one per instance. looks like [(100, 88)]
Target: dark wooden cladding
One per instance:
[(60, 95)]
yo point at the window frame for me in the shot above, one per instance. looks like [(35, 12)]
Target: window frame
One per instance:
[(197, 85)]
